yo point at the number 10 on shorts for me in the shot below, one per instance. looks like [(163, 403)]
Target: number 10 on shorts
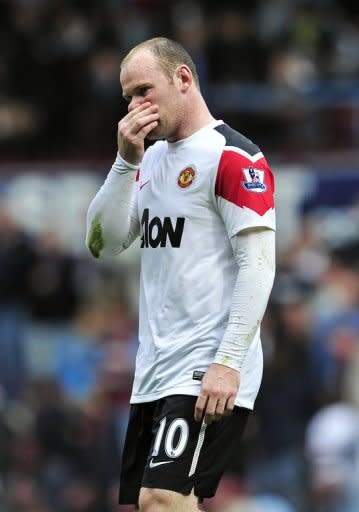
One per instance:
[(176, 438)]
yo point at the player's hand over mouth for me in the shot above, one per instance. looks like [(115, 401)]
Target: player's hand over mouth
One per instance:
[(133, 129), (219, 389)]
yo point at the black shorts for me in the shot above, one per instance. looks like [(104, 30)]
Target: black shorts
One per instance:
[(166, 449)]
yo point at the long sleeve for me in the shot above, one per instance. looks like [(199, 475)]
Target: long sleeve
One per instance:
[(254, 251), (112, 221)]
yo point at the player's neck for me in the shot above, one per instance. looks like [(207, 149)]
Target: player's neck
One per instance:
[(194, 117)]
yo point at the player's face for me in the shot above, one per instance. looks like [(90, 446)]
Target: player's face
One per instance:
[(143, 81)]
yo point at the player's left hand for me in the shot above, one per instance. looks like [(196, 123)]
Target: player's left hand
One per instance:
[(219, 389)]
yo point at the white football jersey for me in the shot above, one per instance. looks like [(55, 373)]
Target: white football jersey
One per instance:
[(191, 197)]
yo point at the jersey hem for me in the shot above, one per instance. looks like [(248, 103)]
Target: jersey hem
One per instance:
[(151, 397), (245, 403)]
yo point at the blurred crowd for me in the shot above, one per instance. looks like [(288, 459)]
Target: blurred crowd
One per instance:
[(67, 345), (267, 66)]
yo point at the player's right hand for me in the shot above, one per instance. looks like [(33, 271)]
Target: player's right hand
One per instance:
[(133, 129), (219, 390)]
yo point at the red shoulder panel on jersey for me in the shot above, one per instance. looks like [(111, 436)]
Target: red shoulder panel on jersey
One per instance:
[(245, 183), (137, 177)]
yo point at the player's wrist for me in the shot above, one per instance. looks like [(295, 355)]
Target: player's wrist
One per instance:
[(229, 361), (121, 165)]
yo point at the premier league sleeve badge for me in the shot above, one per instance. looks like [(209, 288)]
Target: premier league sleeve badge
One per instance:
[(254, 180)]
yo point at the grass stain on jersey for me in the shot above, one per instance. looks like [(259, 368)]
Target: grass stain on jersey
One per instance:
[(225, 360), (95, 240)]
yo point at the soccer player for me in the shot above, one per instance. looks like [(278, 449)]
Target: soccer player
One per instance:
[(206, 231)]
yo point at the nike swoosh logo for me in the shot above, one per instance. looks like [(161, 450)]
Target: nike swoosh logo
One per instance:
[(154, 464), (143, 184)]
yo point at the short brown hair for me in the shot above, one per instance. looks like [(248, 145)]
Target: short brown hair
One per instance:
[(169, 54)]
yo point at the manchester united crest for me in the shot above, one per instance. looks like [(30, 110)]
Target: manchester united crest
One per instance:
[(186, 177)]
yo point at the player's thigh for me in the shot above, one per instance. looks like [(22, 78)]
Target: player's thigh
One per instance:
[(163, 500)]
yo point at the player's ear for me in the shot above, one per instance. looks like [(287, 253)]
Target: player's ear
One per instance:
[(183, 76)]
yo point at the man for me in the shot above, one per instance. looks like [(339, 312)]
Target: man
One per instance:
[(207, 268)]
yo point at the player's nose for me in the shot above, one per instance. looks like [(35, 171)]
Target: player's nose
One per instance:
[(135, 102)]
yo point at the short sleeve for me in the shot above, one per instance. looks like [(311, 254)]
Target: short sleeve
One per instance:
[(244, 191)]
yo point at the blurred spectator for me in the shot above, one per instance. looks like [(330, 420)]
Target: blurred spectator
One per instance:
[(234, 53), (103, 106), (52, 281), (336, 330), (17, 257), (24, 495), (80, 496), (18, 120), (344, 57), (79, 355), (306, 30), (190, 30), (272, 17), (332, 448), (293, 70), (286, 400), (307, 258)]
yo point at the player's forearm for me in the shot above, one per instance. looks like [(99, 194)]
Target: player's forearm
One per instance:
[(255, 254), (111, 224)]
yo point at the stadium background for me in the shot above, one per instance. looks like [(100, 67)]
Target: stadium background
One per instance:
[(285, 73)]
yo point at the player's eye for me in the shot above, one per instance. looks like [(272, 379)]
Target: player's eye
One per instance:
[(143, 91)]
